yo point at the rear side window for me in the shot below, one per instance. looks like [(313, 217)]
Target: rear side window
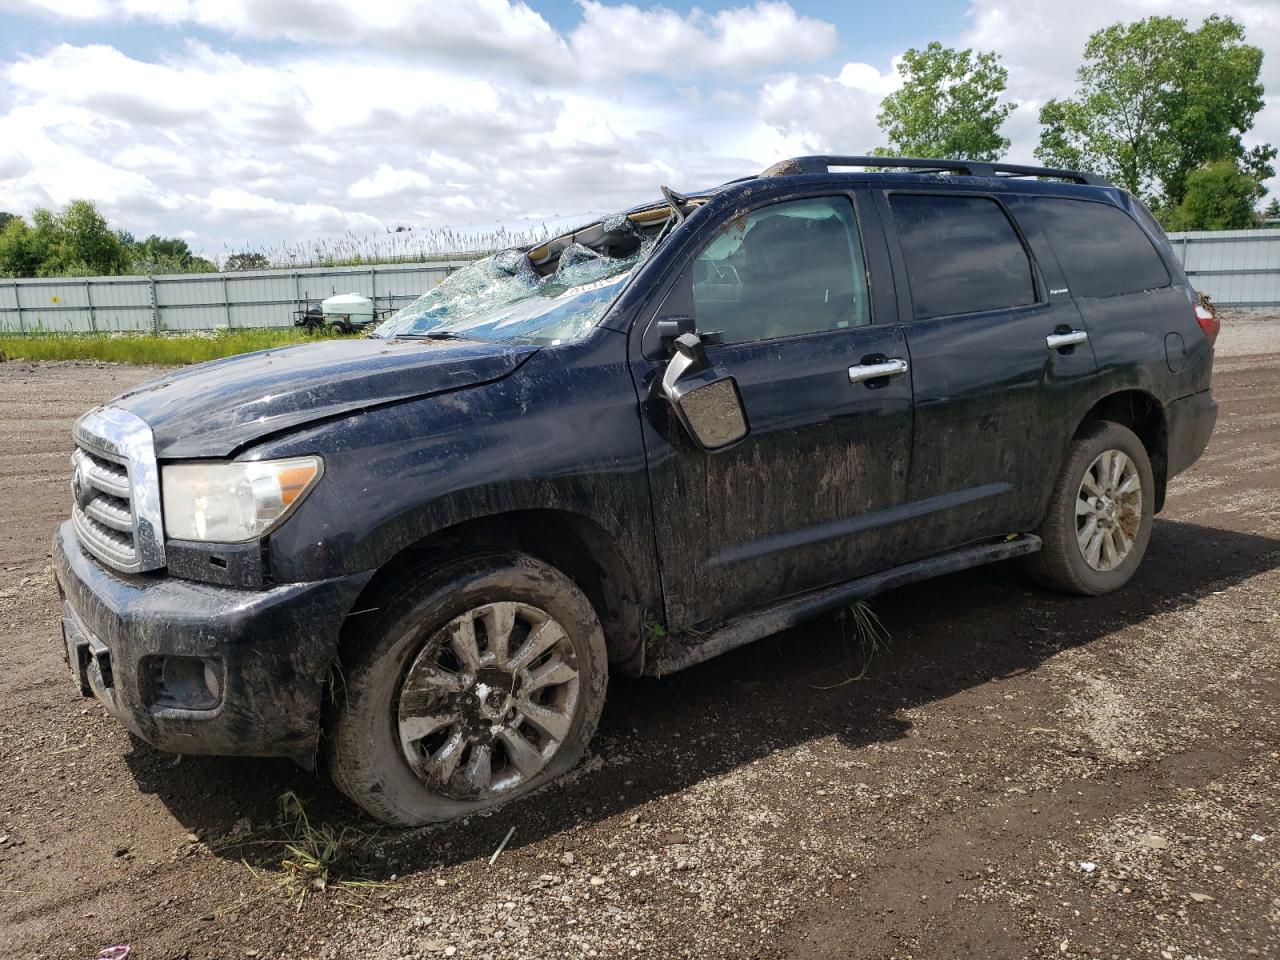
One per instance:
[(963, 255), (1103, 253), (783, 270)]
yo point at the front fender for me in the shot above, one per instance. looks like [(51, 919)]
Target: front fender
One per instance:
[(560, 434)]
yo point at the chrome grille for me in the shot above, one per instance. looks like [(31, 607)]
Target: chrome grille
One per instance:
[(103, 508), (115, 489)]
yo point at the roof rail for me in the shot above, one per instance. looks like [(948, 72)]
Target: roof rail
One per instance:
[(969, 168)]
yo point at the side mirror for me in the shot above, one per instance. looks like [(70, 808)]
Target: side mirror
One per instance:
[(705, 401)]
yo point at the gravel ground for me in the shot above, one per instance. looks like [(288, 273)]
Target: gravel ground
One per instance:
[(1247, 332), (1020, 774)]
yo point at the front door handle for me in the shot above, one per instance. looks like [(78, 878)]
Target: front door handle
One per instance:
[(1072, 338), (860, 373)]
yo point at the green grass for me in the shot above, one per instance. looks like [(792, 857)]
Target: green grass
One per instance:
[(161, 350)]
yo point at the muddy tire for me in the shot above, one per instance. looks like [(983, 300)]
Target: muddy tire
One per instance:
[(475, 682), (1098, 523)]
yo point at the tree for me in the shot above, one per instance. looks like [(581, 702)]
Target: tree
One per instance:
[(22, 250), (1273, 210), (158, 254), (1219, 196), (84, 243), (1156, 101), (75, 241), (78, 241), (247, 261), (948, 105)]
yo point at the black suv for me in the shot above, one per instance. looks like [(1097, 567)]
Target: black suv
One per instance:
[(628, 449)]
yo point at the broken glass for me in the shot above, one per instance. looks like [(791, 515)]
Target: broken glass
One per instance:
[(502, 297)]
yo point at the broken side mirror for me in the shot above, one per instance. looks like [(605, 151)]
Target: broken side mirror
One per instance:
[(705, 401)]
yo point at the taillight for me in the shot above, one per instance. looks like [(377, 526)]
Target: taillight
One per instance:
[(1208, 321)]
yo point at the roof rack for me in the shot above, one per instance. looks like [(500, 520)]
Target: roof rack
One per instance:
[(969, 168)]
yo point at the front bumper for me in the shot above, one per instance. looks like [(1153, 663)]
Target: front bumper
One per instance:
[(1190, 422), (268, 654)]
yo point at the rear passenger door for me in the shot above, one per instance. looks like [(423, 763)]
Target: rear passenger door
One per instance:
[(993, 388)]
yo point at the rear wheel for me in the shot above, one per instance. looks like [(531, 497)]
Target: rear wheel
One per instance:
[(483, 680), (1096, 528)]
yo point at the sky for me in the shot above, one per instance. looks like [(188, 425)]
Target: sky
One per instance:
[(260, 124)]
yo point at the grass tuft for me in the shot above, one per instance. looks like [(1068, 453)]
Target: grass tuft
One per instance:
[(150, 349), (872, 637), (313, 855)]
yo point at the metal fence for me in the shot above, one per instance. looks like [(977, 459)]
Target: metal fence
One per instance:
[(1236, 268), (203, 301)]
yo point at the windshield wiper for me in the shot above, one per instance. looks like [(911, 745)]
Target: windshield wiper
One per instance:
[(431, 335)]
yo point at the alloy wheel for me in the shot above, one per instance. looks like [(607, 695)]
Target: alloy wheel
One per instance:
[(1108, 510), (488, 700)]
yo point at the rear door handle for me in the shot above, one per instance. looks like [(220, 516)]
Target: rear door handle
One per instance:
[(1056, 341), (860, 373)]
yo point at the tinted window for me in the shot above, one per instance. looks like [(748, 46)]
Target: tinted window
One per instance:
[(962, 255), (1101, 250), (782, 270)]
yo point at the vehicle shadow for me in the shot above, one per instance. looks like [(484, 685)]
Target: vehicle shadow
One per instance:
[(661, 736)]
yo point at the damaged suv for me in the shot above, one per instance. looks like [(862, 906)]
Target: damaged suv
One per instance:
[(419, 556)]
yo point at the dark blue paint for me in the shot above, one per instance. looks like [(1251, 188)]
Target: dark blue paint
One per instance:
[(836, 480)]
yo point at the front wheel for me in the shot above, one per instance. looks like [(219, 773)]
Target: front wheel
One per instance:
[(480, 680), (1098, 523)]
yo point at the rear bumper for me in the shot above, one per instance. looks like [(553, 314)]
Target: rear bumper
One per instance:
[(1190, 422), (268, 654)]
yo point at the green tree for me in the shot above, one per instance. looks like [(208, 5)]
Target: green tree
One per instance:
[(5, 217), (247, 261), (22, 249), (78, 241), (1273, 210), (158, 254), (84, 243), (1155, 101), (1219, 196), (948, 105)]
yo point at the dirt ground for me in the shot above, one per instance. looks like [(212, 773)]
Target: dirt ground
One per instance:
[(1021, 774)]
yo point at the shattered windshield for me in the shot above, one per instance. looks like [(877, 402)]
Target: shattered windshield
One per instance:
[(504, 297)]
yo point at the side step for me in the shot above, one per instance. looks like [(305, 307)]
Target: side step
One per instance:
[(787, 613)]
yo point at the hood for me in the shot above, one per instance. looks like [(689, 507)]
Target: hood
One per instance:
[(213, 409)]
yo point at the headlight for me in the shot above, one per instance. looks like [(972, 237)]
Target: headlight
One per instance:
[(233, 502)]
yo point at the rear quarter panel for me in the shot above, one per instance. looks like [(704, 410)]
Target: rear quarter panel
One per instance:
[(1148, 340)]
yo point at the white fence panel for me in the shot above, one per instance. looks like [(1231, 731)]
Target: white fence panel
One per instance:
[(203, 301), (122, 303), (1236, 268)]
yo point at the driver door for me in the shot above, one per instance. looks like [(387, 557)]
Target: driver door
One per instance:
[(795, 302)]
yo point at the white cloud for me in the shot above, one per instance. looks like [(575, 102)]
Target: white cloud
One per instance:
[(502, 35), (821, 114), (294, 148), (388, 180), (391, 112), (626, 39)]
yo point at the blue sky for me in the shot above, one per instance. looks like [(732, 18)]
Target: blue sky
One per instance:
[(274, 124), (866, 33)]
